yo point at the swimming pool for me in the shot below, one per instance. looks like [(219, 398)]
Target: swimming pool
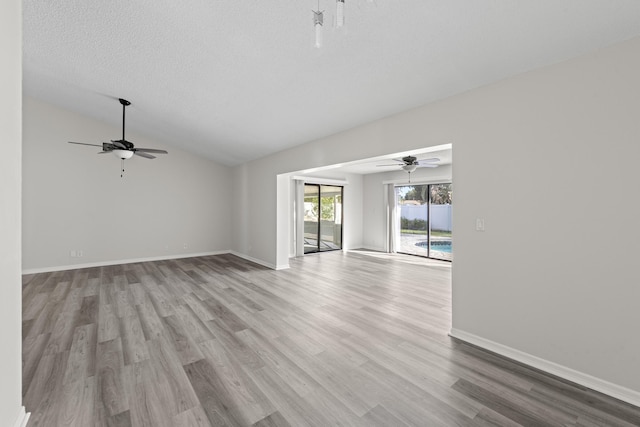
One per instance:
[(440, 246)]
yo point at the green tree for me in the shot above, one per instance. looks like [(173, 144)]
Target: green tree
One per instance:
[(417, 192), (328, 205), (441, 194)]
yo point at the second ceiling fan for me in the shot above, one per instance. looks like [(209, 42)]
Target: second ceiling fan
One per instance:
[(411, 163)]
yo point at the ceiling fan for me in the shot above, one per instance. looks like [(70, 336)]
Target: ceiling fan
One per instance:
[(411, 163), (122, 148)]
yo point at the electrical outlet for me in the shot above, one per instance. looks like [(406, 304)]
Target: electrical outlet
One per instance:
[(185, 246), (79, 253), (72, 254), (479, 224)]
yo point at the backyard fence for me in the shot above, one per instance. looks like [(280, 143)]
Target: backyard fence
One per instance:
[(440, 215)]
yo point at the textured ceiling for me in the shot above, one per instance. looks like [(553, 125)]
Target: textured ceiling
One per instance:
[(238, 80)]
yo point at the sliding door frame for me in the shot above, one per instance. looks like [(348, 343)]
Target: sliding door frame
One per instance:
[(428, 220), (319, 228)]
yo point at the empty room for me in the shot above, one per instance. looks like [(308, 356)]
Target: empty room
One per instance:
[(338, 212)]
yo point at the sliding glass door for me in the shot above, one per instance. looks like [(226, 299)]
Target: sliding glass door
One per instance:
[(440, 223), (322, 218), (425, 220)]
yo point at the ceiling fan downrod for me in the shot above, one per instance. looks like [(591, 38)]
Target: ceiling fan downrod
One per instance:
[(124, 103)]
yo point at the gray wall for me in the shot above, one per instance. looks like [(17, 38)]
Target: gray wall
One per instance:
[(534, 281), (10, 177), (74, 199)]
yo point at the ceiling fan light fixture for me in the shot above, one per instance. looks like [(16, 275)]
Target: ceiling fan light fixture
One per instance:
[(410, 168), (123, 154)]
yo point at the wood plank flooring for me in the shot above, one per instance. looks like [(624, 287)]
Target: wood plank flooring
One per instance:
[(344, 339)]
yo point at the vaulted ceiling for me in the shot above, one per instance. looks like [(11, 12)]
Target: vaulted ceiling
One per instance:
[(238, 80)]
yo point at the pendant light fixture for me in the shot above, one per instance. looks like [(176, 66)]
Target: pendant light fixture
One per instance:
[(339, 13), (318, 22), (338, 19)]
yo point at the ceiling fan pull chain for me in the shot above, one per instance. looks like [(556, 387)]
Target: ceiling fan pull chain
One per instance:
[(122, 166)]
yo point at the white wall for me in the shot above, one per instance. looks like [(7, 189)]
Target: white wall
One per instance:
[(75, 199), (535, 281), (353, 213), (375, 219), (11, 410), (254, 223)]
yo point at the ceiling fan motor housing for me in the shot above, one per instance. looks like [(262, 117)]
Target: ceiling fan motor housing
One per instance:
[(410, 160), (124, 143)]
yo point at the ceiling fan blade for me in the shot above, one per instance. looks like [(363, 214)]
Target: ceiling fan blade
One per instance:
[(431, 160), (151, 150), (118, 144), (145, 155), (394, 164), (428, 165), (84, 143)]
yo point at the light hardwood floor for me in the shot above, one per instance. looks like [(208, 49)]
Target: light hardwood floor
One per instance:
[(342, 339)]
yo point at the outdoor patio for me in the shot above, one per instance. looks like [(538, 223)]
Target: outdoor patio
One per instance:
[(409, 245)]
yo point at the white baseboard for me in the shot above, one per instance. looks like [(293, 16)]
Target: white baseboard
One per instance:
[(259, 261), (373, 249), (597, 384), (23, 417), (119, 262), (148, 259)]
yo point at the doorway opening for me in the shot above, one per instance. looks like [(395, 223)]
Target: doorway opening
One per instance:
[(322, 218), (424, 227)]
